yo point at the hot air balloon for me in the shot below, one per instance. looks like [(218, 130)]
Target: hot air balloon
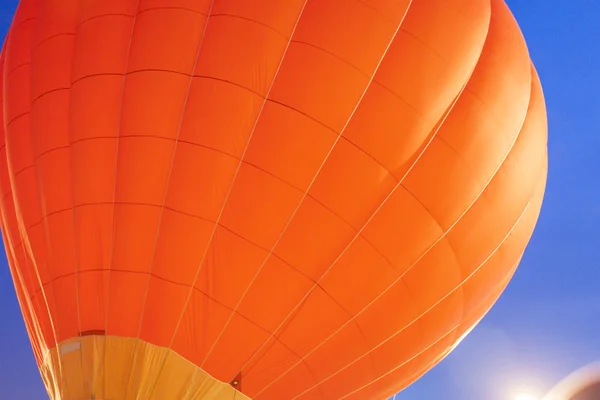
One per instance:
[(263, 199)]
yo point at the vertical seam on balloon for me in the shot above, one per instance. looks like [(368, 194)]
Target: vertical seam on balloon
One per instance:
[(359, 102), (25, 238), (233, 182), (112, 218), (437, 129), (167, 185), (454, 329), (511, 230)]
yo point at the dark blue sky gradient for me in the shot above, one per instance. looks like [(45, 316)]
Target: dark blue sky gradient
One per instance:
[(546, 324)]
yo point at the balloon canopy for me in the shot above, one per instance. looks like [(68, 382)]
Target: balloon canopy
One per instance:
[(263, 199)]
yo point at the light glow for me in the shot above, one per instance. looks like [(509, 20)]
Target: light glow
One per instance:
[(526, 396)]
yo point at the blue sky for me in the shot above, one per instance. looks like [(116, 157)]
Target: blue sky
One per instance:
[(547, 322)]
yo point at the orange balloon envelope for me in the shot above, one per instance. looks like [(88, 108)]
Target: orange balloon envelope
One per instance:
[(263, 199)]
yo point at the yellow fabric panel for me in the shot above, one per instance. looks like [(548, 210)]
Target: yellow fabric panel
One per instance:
[(116, 368)]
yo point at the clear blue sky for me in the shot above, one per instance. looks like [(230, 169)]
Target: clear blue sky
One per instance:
[(547, 323)]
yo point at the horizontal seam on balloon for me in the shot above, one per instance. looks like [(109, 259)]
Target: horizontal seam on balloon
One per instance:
[(14, 119), (102, 16), (417, 112), (305, 114), (9, 73), (396, 180), (99, 74), (56, 35), (458, 156), (425, 208), (388, 265), (426, 45), (122, 203), (147, 70), (58, 89), (231, 83), (171, 8), (6, 196), (451, 148), (251, 20), (167, 71), (131, 136), (162, 278), (128, 137), (17, 26), (489, 109), (39, 156), (138, 13), (376, 10), (332, 55)]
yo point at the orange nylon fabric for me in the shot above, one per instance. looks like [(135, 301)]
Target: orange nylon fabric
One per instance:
[(308, 199)]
